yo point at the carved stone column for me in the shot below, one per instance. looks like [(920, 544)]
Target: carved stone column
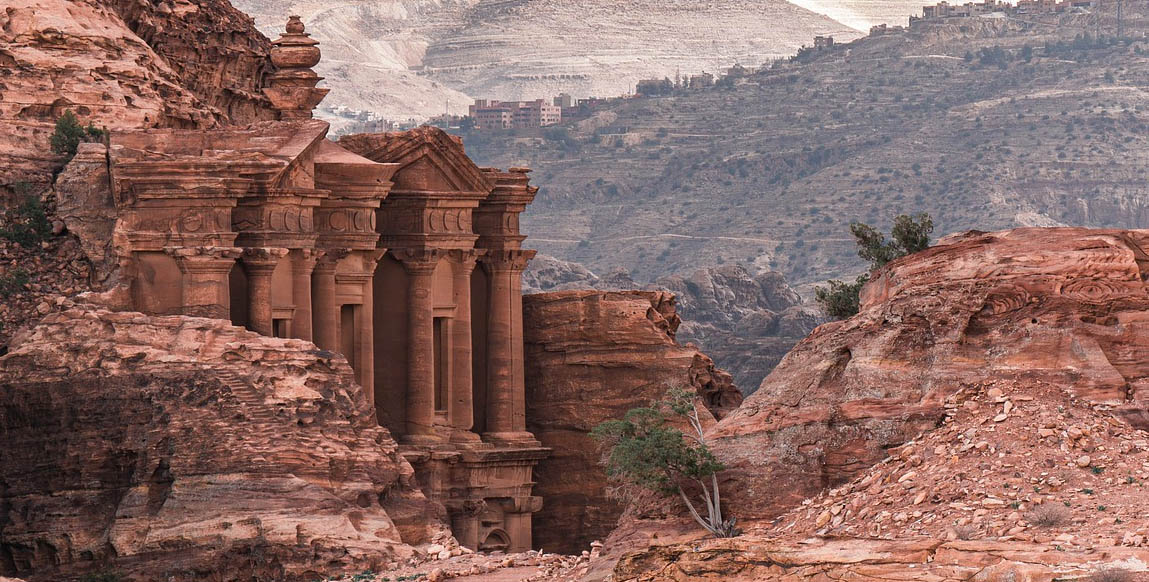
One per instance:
[(460, 408), (206, 290), (259, 263), (506, 390), (325, 310), (420, 266), (302, 264), (364, 346)]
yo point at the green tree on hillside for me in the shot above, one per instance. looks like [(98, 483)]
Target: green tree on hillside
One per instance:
[(70, 133), (909, 235), (643, 450)]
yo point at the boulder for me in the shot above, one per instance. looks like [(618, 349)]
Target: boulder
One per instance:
[(172, 447), (590, 357)]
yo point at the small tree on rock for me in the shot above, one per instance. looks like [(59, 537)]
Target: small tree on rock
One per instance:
[(69, 134), (644, 450), (910, 234)]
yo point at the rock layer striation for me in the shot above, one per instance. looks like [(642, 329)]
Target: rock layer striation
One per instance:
[(590, 357), (174, 446)]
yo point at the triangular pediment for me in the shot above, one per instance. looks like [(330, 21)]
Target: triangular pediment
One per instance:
[(429, 160)]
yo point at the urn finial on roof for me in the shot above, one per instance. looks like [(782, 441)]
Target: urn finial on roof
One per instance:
[(292, 88)]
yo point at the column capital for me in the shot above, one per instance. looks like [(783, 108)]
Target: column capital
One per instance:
[(261, 260), (307, 256), (508, 259), (466, 258), (330, 257), (204, 259), (419, 261)]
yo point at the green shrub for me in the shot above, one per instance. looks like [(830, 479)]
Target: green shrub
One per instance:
[(27, 224), (644, 450), (841, 300), (910, 234), (69, 134), (13, 283)]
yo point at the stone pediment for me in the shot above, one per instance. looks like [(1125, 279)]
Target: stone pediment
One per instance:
[(269, 154), (429, 159)]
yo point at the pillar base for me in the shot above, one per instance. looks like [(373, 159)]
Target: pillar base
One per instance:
[(519, 438), (420, 439), (464, 436)]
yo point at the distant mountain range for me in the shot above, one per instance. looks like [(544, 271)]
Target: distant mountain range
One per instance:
[(404, 58)]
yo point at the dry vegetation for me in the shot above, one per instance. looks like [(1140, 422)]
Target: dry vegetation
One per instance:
[(1036, 125)]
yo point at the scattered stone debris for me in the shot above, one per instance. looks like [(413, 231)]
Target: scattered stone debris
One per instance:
[(446, 560), (1055, 470), (33, 277)]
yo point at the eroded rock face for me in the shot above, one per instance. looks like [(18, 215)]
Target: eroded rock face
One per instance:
[(754, 559), (746, 322), (590, 357), (1066, 307), (171, 446), (121, 64)]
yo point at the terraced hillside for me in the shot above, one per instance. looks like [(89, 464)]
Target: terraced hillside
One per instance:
[(419, 57), (986, 123)]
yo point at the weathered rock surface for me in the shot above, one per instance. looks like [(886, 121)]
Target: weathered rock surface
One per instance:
[(169, 447), (1066, 307), (745, 322), (982, 418), (121, 64), (590, 357), (751, 558)]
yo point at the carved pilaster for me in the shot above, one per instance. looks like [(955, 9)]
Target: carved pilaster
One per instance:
[(420, 265), (506, 384), (460, 409), (205, 270), (302, 265), (325, 317), (260, 263)]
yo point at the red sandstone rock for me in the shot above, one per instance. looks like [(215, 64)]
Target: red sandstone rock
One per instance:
[(175, 445), (754, 559), (1066, 307), (122, 64), (590, 357), (1060, 308)]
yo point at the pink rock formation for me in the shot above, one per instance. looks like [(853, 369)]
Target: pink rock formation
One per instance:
[(590, 357), (174, 446), (122, 64), (1066, 307)]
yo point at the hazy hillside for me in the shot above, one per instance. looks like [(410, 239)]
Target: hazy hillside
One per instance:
[(862, 14), (416, 57), (769, 173)]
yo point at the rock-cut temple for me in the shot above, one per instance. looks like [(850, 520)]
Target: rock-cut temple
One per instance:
[(393, 249)]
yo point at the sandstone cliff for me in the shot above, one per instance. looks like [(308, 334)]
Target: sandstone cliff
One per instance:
[(121, 64), (745, 322), (987, 381), (1064, 307), (170, 447), (590, 357)]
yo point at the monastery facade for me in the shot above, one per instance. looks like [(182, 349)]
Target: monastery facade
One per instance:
[(393, 249)]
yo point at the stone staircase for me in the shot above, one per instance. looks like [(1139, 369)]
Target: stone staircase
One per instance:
[(255, 406)]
